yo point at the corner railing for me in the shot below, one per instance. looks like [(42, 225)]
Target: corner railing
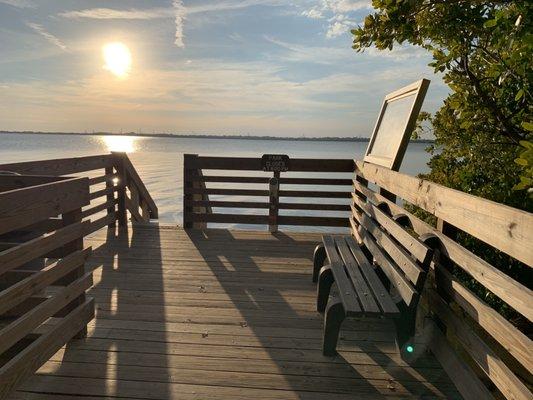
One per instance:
[(474, 343), (115, 191), (44, 217), (42, 277), (279, 200)]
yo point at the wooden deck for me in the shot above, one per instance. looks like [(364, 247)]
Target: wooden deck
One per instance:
[(220, 314)]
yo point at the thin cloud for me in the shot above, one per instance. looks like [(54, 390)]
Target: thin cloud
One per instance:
[(179, 14), (178, 11), (161, 12), (19, 3), (47, 35), (110, 13)]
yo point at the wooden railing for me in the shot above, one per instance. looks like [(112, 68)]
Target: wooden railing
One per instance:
[(276, 194), (473, 342), (42, 278), (44, 217), (116, 188)]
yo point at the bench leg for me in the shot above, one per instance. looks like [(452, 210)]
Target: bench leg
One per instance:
[(405, 331), (325, 280), (333, 318), (319, 257)]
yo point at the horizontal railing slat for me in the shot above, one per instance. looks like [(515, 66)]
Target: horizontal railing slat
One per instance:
[(312, 221), (63, 166), (227, 204), (230, 218), (227, 192), (288, 181), (312, 206), (100, 207), (309, 193), (11, 182), (100, 223), (230, 179), (103, 178), (19, 208), (28, 251), (505, 228), (105, 192), (254, 164)]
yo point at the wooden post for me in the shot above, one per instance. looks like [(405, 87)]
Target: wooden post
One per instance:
[(68, 219), (188, 159), (274, 203), (190, 172), (446, 228), (122, 216), (111, 196), (145, 211)]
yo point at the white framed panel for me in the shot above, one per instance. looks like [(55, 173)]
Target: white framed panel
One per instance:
[(394, 126)]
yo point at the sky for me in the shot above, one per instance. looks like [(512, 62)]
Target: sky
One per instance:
[(250, 67)]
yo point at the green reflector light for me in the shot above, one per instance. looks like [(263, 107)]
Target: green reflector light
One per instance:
[(410, 349)]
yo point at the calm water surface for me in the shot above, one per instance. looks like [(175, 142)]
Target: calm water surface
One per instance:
[(159, 161)]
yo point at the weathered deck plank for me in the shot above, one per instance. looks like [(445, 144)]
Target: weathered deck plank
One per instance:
[(221, 315)]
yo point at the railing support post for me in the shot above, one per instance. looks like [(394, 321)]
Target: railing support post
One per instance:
[(122, 216), (111, 196), (76, 245), (190, 172), (273, 203), (188, 160)]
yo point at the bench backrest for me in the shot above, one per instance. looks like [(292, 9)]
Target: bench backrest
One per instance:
[(468, 336), (402, 257)]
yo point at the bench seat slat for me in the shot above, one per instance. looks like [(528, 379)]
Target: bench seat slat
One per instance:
[(331, 250), (364, 294), (386, 303), (346, 292)]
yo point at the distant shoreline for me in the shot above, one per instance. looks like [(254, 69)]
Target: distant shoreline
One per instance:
[(204, 136)]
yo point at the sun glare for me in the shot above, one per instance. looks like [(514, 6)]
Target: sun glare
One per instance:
[(126, 144), (117, 59)]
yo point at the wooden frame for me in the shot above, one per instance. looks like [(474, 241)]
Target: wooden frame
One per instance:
[(198, 207), (397, 141)]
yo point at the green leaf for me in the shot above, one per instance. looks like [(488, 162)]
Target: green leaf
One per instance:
[(527, 126), (490, 23), (519, 95)]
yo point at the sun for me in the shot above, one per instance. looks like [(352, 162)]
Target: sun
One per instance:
[(117, 58)]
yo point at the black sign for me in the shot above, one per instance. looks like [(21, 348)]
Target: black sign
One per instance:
[(275, 162)]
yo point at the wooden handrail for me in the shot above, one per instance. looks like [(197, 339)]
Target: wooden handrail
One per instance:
[(133, 180), (501, 351), (197, 206), (503, 227), (42, 230), (119, 177)]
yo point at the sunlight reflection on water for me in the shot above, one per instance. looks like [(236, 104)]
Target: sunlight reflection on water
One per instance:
[(127, 144), (159, 161)]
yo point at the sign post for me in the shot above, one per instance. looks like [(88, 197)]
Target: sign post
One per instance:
[(275, 163)]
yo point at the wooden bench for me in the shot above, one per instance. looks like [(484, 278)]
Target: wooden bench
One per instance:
[(380, 275)]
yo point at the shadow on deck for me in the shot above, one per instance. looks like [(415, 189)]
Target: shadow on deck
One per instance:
[(221, 314)]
